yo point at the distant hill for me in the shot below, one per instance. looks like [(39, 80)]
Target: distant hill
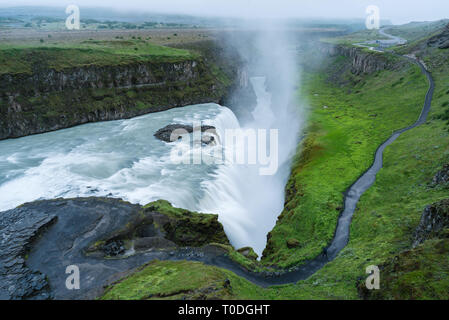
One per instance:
[(417, 30)]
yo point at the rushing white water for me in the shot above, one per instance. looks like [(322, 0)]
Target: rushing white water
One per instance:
[(123, 159), (248, 203), (117, 158)]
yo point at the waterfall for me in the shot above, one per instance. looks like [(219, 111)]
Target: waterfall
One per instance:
[(248, 203)]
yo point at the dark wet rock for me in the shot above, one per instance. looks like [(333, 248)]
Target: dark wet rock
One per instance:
[(114, 248), (442, 176), (165, 133), (434, 222), (440, 40), (18, 230)]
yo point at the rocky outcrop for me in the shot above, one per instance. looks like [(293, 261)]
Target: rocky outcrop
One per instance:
[(186, 228), (165, 133), (45, 80), (18, 231), (40, 239), (362, 61), (440, 40), (442, 176), (434, 222), (248, 252)]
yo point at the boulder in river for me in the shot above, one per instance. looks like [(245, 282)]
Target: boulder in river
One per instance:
[(173, 132)]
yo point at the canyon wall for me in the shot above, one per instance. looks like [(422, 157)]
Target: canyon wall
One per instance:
[(47, 99)]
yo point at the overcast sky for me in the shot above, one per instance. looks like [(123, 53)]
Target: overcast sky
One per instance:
[(397, 11)]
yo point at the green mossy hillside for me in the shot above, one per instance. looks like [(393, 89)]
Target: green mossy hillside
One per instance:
[(349, 117), (182, 280), (19, 59)]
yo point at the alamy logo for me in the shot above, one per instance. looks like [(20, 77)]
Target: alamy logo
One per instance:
[(373, 18), (73, 280), (237, 146), (373, 280), (73, 20)]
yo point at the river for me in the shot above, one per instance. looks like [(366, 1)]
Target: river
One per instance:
[(122, 159)]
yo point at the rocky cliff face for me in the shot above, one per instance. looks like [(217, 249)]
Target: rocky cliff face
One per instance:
[(362, 61), (45, 80), (40, 239), (434, 220), (441, 177), (224, 56), (49, 99)]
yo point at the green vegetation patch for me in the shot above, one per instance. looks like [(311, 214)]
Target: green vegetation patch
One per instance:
[(418, 274), (25, 58), (188, 228), (182, 280)]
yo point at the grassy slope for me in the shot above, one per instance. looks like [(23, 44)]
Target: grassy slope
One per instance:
[(339, 146), (20, 58), (182, 280)]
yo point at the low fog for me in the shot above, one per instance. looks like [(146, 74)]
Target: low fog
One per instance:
[(398, 11)]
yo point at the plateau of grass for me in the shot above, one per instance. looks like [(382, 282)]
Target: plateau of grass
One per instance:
[(356, 37), (23, 58)]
